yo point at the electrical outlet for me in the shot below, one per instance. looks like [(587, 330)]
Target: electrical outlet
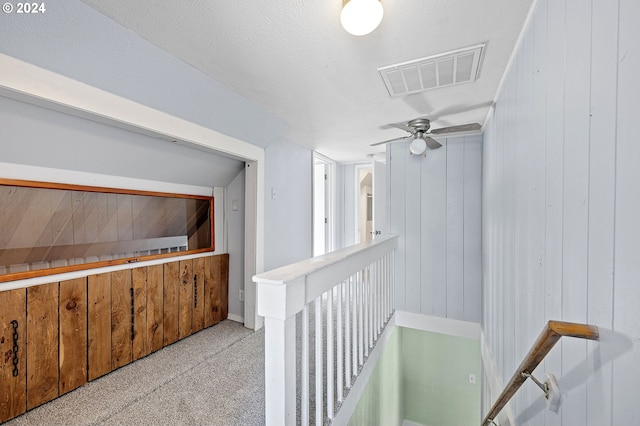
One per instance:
[(241, 295), (472, 379)]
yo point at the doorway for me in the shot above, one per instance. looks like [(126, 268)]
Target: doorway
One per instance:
[(323, 178), (371, 205)]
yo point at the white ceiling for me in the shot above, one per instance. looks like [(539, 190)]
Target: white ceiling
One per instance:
[(293, 58)]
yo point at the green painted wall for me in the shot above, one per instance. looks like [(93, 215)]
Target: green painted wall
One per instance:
[(436, 388), (381, 402), (423, 377)]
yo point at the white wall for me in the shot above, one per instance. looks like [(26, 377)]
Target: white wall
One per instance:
[(435, 208), (235, 242), (561, 236), (345, 205), (288, 204), (35, 136)]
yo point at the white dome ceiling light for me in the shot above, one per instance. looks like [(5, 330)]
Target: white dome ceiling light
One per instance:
[(360, 17)]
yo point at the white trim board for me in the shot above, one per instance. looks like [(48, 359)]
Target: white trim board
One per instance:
[(235, 318), (26, 82), (451, 327), (47, 174)]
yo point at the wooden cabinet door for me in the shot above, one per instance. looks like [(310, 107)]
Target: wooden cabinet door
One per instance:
[(73, 334), (171, 285), (99, 325), (121, 318), (185, 305), (216, 291), (42, 344), (154, 308), (13, 386), (139, 286), (198, 294)]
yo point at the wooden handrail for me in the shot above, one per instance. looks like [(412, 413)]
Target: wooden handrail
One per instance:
[(552, 332)]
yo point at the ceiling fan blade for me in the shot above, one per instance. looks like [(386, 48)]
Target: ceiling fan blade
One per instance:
[(432, 143), (454, 129), (393, 140), (403, 126)]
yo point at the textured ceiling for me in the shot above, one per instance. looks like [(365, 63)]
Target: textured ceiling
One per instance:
[(293, 58)]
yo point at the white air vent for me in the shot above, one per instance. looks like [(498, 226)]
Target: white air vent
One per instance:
[(446, 69)]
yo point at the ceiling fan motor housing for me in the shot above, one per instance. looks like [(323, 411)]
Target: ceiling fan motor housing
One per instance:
[(420, 124)]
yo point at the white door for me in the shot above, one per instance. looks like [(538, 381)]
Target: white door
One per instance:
[(379, 199)]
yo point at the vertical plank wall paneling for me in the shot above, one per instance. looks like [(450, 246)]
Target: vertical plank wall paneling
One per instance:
[(604, 68), (561, 201), (435, 209), (73, 334), (13, 389), (626, 295)]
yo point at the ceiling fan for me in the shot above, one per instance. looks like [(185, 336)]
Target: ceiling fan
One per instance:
[(420, 139)]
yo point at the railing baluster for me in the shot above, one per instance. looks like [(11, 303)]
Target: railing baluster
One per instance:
[(366, 310), (319, 369), (393, 281), (330, 377), (369, 310), (339, 344), (360, 289), (347, 333), (304, 385), (378, 298), (354, 325)]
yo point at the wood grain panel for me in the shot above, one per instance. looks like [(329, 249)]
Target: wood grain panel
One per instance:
[(154, 308), (139, 285), (42, 344), (223, 290), (73, 334), (185, 299), (121, 341), (217, 271), (170, 314), (13, 389), (211, 282), (99, 324), (198, 293)]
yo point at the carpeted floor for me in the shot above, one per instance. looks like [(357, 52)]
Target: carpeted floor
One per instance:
[(215, 377)]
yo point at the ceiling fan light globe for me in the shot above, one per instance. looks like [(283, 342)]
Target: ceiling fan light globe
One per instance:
[(417, 146), (360, 17)]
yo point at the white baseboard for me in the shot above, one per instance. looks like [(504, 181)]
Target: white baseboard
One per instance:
[(452, 327), (236, 318)]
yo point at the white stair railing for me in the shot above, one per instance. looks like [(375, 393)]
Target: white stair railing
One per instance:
[(322, 317)]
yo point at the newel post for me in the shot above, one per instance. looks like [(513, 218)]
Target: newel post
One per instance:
[(279, 303)]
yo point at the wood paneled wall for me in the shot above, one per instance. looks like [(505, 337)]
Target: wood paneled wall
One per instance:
[(435, 208), (561, 202)]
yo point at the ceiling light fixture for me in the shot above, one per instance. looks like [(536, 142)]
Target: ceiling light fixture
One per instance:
[(418, 145), (360, 17)]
